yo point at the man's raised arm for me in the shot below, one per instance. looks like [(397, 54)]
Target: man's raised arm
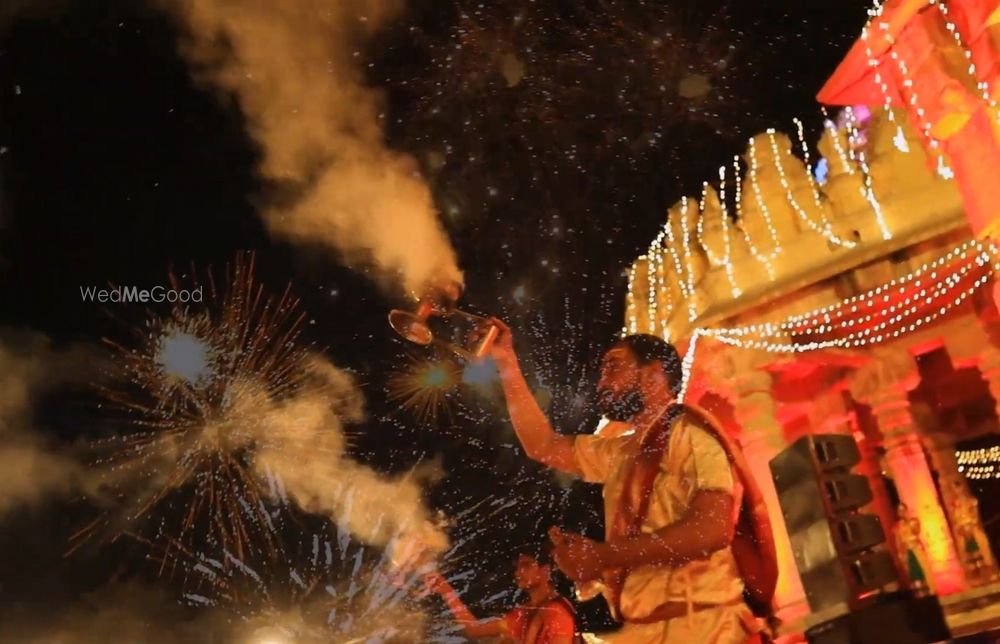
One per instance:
[(539, 440)]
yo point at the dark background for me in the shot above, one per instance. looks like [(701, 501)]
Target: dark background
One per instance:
[(115, 167)]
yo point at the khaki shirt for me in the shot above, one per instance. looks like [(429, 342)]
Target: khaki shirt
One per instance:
[(694, 460)]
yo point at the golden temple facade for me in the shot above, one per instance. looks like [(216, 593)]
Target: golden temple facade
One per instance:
[(838, 289)]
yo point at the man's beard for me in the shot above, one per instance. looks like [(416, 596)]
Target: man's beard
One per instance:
[(621, 407)]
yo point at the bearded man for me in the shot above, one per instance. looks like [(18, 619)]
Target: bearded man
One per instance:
[(685, 523)]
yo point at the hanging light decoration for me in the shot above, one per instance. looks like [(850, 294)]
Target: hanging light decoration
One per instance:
[(886, 312), (979, 464)]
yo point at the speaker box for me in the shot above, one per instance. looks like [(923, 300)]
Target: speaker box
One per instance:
[(840, 553)]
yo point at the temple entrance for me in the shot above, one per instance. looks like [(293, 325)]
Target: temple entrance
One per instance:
[(979, 462), (957, 415)]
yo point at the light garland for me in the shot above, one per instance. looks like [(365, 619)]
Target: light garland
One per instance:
[(687, 363), (835, 136), (685, 273), (686, 234), (754, 251), (762, 204), (656, 286), (825, 229), (651, 290), (889, 322), (976, 464), (805, 157), (875, 13), (981, 85), (658, 316), (873, 62), (797, 321), (633, 322), (700, 229), (868, 190), (724, 214), (979, 464)]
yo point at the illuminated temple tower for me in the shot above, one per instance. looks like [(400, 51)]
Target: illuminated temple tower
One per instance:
[(840, 290)]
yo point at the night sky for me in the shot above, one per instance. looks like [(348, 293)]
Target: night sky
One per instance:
[(554, 136)]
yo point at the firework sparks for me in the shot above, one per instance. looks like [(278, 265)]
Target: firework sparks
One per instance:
[(330, 588), (190, 390), (425, 388), (557, 353), (327, 588)]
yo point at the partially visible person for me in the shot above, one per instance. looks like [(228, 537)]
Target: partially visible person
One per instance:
[(546, 618)]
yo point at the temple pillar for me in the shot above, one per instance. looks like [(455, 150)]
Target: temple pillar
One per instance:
[(762, 438), (883, 385)]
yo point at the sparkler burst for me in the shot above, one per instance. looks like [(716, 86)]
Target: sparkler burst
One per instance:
[(561, 350), (328, 587), (324, 588), (425, 388), (193, 390)]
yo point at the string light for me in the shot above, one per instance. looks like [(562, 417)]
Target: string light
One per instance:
[(700, 229), (896, 318), (724, 214), (667, 310), (868, 190), (874, 63), (685, 274), (875, 13), (981, 85), (983, 251), (805, 157), (686, 234), (670, 247), (835, 136), (633, 322), (754, 251), (658, 314), (762, 204), (979, 464), (651, 289), (686, 365), (656, 286), (825, 229)]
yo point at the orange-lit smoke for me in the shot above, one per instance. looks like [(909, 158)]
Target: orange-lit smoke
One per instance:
[(295, 69), (32, 470), (301, 448)]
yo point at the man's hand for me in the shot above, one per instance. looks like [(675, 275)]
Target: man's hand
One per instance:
[(434, 582), (580, 558), (502, 350)]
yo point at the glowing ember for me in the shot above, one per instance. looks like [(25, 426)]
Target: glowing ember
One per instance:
[(186, 356), (423, 388)]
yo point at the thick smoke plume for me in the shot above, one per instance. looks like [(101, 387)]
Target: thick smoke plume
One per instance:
[(295, 69), (304, 453), (32, 469)]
